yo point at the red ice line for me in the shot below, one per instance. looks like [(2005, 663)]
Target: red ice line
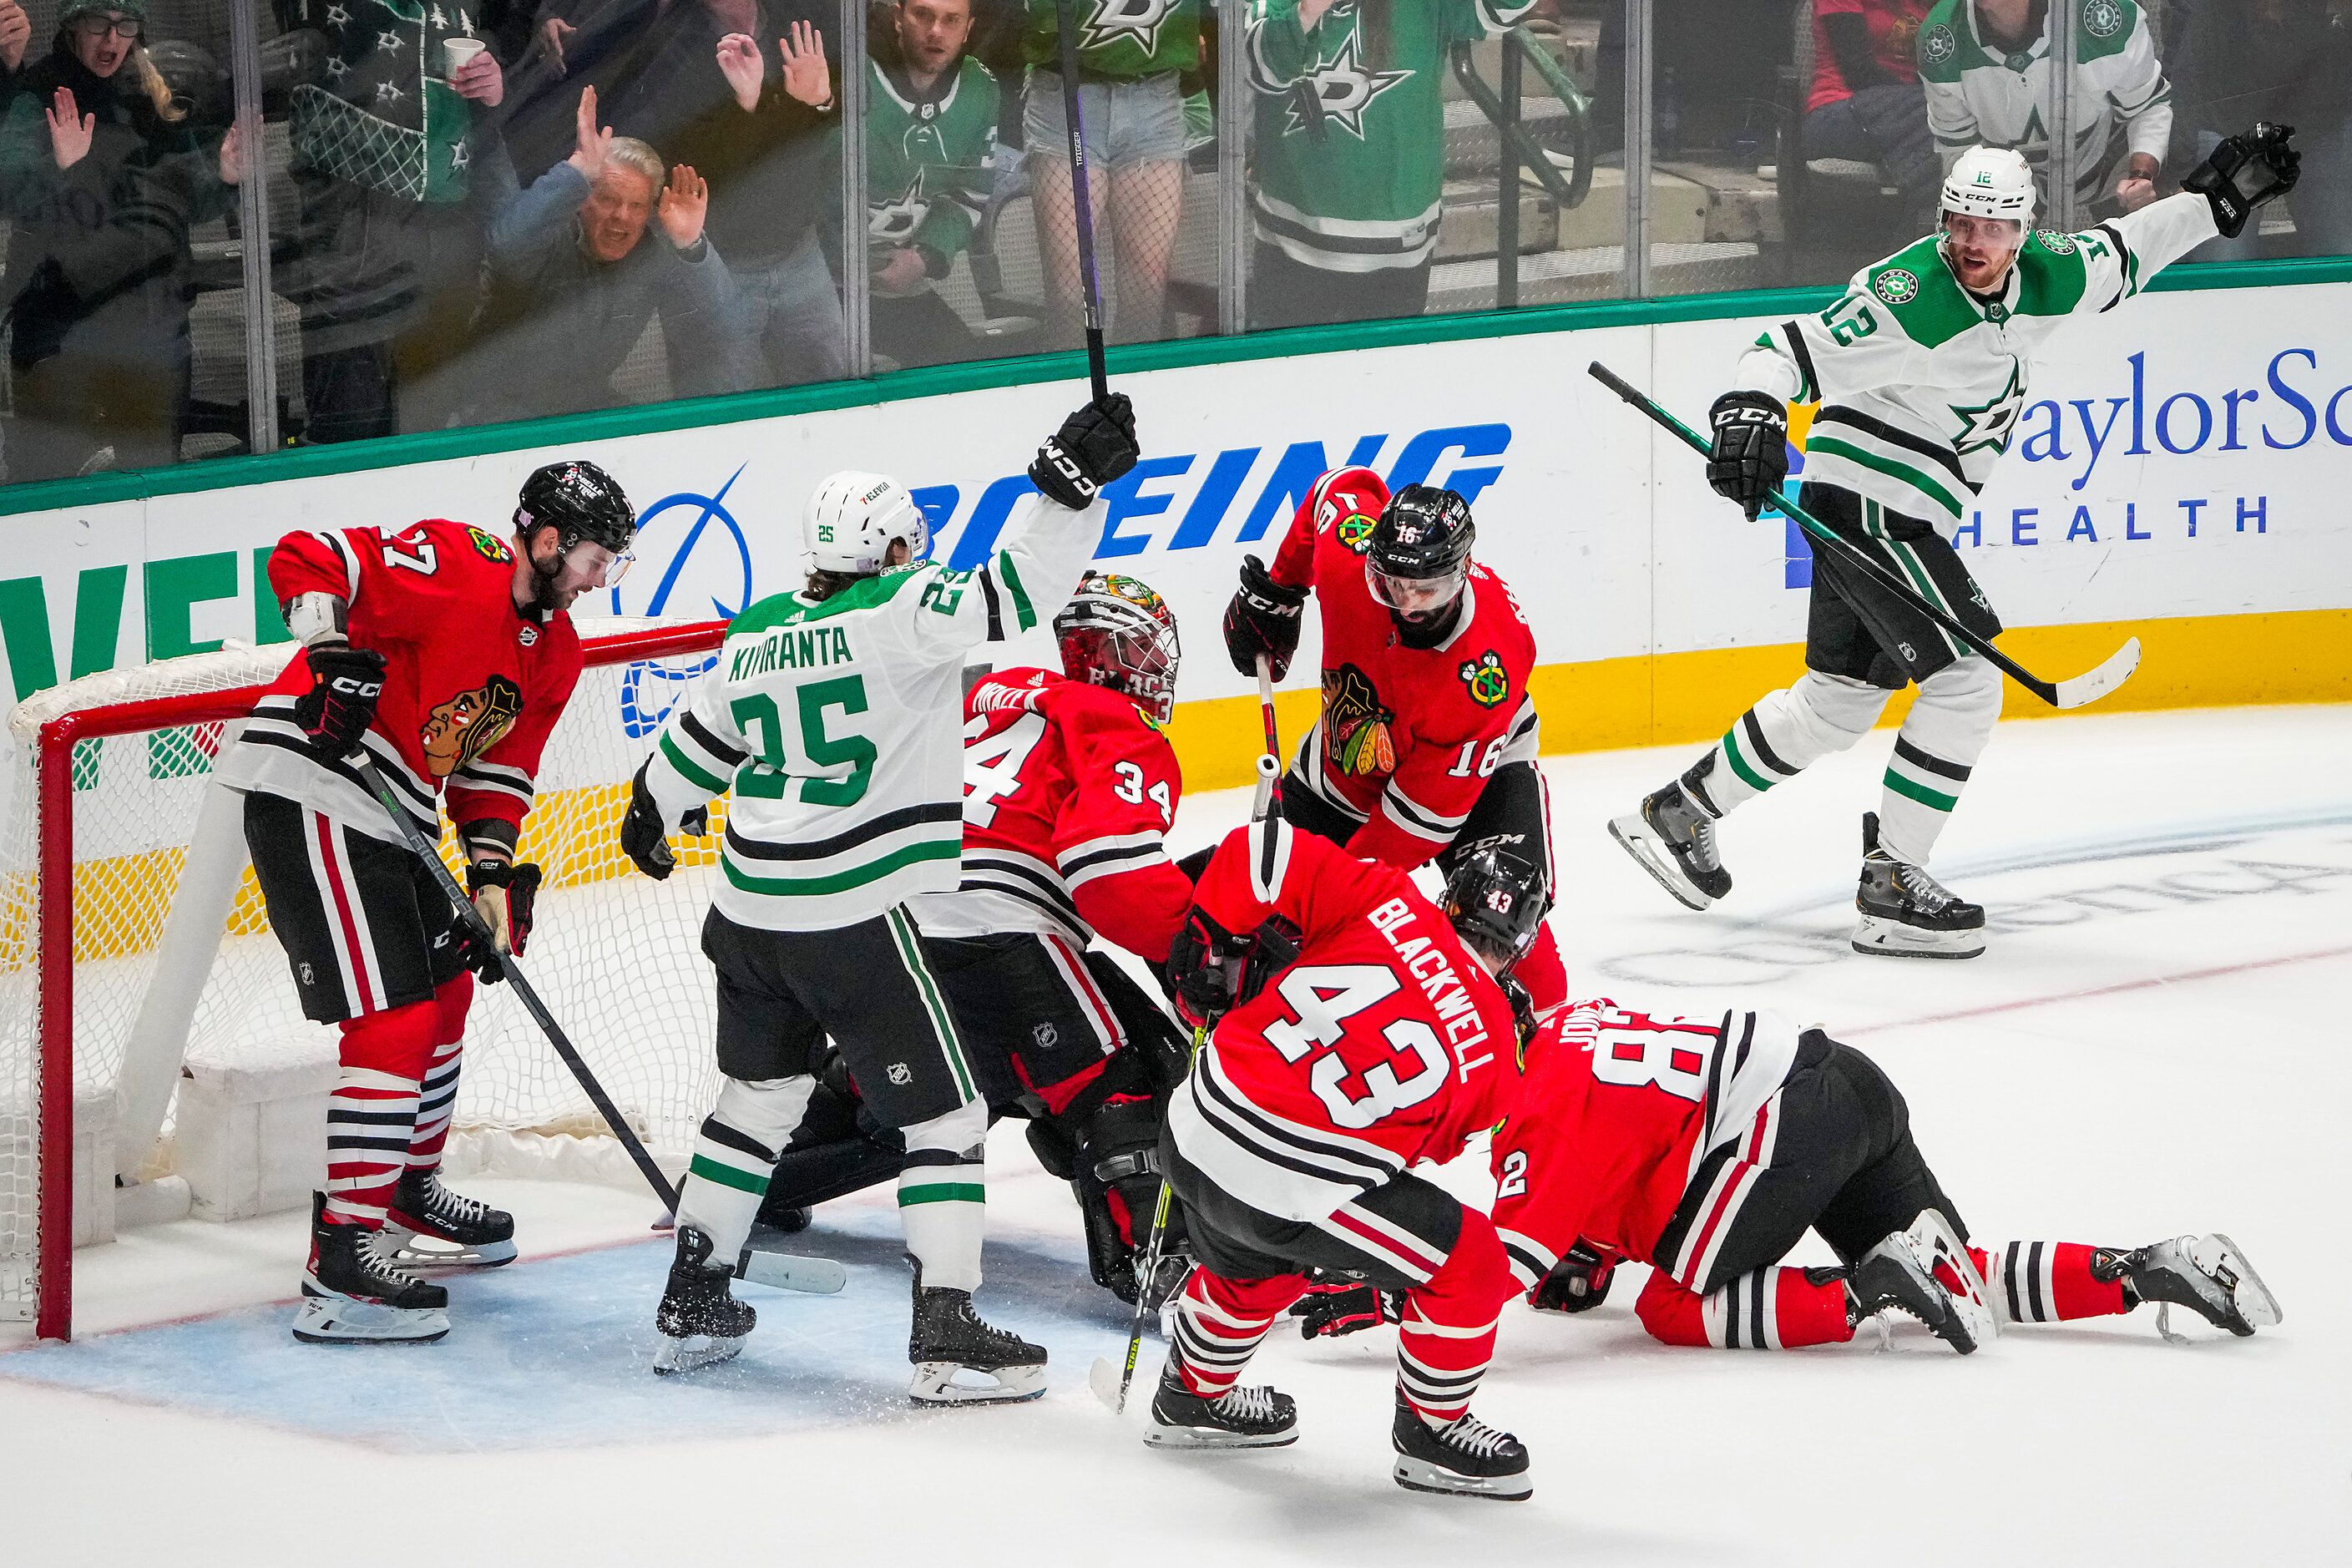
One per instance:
[(2102, 991)]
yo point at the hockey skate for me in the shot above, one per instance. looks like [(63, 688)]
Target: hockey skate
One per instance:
[(1671, 838), (1466, 1456), (429, 1227), (1237, 1418), (2206, 1274), (1925, 1272), (1906, 913), (352, 1295), (700, 1322), (961, 1359)]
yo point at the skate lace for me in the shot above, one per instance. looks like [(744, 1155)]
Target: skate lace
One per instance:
[(1247, 1404), (1703, 845), (443, 1203), (381, 1268), (1924, 891), (1472, 1436)]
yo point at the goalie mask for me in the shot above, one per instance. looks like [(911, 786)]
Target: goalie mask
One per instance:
[(854, 517), (1417, 560), (1495, 903), (1117, 632)]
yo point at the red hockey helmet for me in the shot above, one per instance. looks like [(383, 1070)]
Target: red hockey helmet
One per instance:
[(1117, 632)]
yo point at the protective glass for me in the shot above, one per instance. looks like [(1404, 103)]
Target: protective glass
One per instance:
[(1415, 595), (586, 556)]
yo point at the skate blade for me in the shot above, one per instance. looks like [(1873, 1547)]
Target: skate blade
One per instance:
[(952, 1383), (336, 1321), (2215, 1255), (1946, 1260), (1167, 1434), (694, 1351), (1882, 938), (1633, 835), (1421, 1476), (412, 1249)]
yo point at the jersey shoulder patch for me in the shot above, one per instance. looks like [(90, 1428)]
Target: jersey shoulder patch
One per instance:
[(1348, 502), (1920, 293), (1946, 46), (2104, 28), (2052, 274)]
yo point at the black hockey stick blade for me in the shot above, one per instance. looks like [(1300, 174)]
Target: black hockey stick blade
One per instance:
[(471, 918), (2087, 688), (1073, 125), (791, 1271)]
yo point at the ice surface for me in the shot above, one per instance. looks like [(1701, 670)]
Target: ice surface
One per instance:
[(2154, 1044)]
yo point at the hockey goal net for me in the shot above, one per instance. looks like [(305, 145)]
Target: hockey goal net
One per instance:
[(133, 939)]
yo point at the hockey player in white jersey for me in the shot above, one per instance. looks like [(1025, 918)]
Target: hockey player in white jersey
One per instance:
[(836, 716), (1921, 372)]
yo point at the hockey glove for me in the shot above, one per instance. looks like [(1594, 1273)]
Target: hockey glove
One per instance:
[(1751, 449), (1094, 447), (1523, 1008), (1330, 1309), (2243, 173), (1211, 971), (1578, 1282), (1263, 619), (642, 839), (505, 896), (336, 711)]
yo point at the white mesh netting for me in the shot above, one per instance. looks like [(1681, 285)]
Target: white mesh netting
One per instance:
[(615, 956)]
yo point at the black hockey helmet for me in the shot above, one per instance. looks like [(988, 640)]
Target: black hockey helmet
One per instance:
[(581, 502), (1419, 556), (1496, 901)]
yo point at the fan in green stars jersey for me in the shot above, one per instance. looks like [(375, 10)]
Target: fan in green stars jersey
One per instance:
[(930, 120)]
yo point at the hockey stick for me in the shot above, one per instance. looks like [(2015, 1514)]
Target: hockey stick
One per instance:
[(1111, 1387), (785, 1271), (1090, 278), (2087, 688)]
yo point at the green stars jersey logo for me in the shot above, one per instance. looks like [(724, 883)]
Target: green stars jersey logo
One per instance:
[(1991, 423), (2103, 19), (1140, 20), (1344, 90), (2055, 243), (1896, 286), (1938, 45), (894, 220)]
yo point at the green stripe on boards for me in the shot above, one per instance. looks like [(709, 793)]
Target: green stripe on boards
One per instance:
[(1739, 763), (694, 772), (711, 1169), (910, 952), (1914, 790), (944, 1193)]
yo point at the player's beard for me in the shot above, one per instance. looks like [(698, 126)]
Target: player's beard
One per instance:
[(544, 595), (1429, 630)]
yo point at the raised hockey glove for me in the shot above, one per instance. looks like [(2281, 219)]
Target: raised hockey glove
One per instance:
[(1094, 445), (505, 896), (1332, 1308), (2245, 172), (1751, 449), (1263, 619), (336, 711), (1578, 1282), (1211, 971)]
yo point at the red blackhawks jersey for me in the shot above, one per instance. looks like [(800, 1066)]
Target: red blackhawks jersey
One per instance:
[(1383, 1045), (471, 684), (1619, 1110), (1408, 736), (1069, 791)]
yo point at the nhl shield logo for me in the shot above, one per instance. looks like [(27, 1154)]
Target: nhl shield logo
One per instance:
[(901, 1074), (1896, 286), (1044, 1035)]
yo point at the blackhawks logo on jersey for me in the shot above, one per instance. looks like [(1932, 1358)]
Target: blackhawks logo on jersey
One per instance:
[(489, 546), (1488, 681), (1356, 531), (1896, 286), (468, 724), (1354, 726)]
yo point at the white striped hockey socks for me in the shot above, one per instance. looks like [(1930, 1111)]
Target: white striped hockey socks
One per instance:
[(1941, 739), (734, 1155)]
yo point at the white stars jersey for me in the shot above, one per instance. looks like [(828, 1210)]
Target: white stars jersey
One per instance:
[(1921, 382), (838, 725)]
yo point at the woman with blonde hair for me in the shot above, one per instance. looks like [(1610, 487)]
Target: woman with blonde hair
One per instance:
[(104, 170)]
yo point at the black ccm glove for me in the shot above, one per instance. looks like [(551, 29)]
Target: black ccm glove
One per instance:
[(1331, 1308), (642, 839), (1211, 971), (1576, 1283), (2245, 172), (1751, 449), (336, 711), (1263, 619), (504, 896), (1094, 447)]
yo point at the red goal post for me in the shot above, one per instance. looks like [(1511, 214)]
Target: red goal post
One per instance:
[(102, 990)]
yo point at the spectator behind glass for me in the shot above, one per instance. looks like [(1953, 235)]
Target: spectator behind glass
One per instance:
[(16, 33), (930, 119), (103, 175), (1349, 162), (1867, 105), (1129, 58), (389, 150), (2287, 61), (576, 274), (1985, 64), (696, 80)]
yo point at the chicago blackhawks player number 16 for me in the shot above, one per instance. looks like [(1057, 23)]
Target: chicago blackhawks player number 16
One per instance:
[(442, 654)]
